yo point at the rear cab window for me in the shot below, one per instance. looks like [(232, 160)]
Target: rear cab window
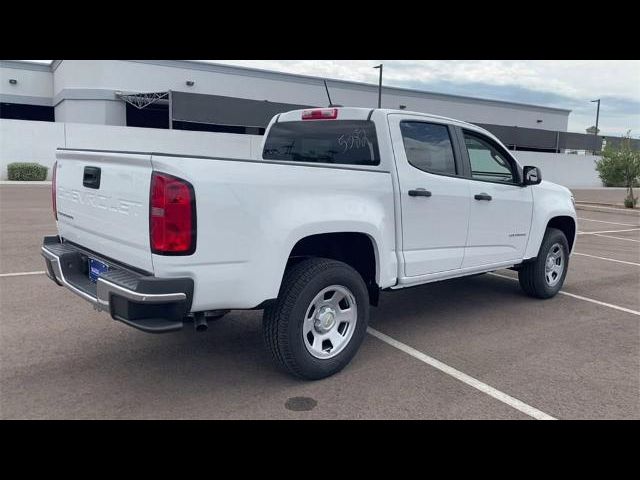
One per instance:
[(340, 142)]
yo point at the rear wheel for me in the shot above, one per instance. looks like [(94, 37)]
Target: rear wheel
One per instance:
[(319, 320), (544, 277)]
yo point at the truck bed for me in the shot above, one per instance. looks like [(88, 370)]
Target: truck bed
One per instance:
[(250, 214)]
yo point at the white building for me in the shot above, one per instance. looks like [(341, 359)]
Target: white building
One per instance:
[(94, 91), (94, 104)]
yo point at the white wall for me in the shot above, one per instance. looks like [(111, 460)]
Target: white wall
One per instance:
[(573, 171), (101, 112), (179, 142), (31, 83), (26, 141)]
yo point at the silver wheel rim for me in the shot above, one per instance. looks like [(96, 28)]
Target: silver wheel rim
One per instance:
[(329, 322), (554, 265)]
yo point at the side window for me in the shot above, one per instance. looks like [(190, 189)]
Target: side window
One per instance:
[(428, 147), (487, 162)]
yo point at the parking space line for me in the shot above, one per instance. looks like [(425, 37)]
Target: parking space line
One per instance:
[(597, 232), (598, 302), (603, 221), (463, 377), (605, 258), (580, 297), (19, 274), (617, 238)]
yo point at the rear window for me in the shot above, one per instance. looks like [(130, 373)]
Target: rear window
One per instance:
[(344, 142)]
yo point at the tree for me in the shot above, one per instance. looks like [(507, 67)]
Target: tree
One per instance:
[(621, 166)]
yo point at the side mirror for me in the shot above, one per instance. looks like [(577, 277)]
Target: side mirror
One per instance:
[(531, 175)]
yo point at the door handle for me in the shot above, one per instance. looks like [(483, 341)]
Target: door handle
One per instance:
[(91, 177), (482, 196), (419, 192)]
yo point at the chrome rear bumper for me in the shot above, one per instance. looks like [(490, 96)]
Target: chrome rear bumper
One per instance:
[(142, 301)]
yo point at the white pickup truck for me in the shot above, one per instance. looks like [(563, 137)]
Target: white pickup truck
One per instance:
[(343, 203)]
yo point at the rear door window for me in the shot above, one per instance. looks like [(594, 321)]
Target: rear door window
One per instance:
[(428, 147), (343, 142)]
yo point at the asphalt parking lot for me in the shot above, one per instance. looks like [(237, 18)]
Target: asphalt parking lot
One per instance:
[(472, 348)]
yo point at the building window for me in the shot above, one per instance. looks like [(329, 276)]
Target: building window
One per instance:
[(20, 111), (211, 127), (151, 116)]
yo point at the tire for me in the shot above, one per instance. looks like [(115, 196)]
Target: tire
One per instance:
[(306, 285), (533, 275)]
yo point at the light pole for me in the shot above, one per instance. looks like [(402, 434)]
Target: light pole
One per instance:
[(597, 118), (597, 114), (379, 87)]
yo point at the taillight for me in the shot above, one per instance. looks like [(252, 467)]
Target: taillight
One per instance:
[(172, 215), (53, 191), (320, 114)]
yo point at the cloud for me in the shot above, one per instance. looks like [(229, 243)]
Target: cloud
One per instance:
[(572, 78)]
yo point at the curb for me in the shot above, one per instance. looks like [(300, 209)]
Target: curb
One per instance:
[(601, 204), (608, 209)]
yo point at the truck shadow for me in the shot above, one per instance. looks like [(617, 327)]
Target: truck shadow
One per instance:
[(130, 374), (459, 300), (232, 348), (226, 372)]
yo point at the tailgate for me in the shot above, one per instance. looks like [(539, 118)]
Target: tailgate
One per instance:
[(103, 203)]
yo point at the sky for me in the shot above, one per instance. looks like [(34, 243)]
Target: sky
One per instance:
[(569, 84)]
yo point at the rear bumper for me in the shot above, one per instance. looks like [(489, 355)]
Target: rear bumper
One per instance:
[(145, 302)]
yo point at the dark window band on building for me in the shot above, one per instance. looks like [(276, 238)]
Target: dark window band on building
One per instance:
[(151, 116), (208, 127), (221, 110), (20, 111), (206, 113)]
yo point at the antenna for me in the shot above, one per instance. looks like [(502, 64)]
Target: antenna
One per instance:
[(327, 89), (331, 104)]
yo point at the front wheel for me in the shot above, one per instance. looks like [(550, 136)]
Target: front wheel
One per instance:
[(319, 320), (544, 277)]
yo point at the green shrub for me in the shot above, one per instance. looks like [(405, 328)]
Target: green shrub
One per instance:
[(27, 172), (621, 166)]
